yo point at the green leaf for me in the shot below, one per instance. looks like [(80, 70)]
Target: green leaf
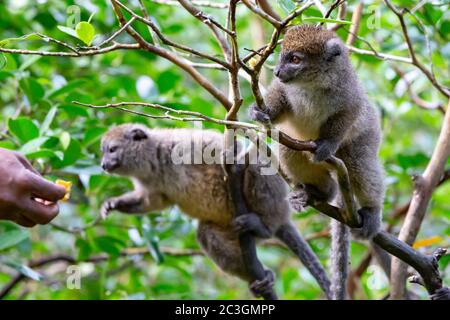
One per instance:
[(67, 88), (167, 81), (33, 145), (287, 5), (31, 36), (64, 138), (112, 246), (23, 269), (48, 120), (28, 61), (72, 153), (152, 243), (5, 74), (74, 111), (33, 89), (85, 32), (45, 154), (3, 61), (23, 129), (69, 31), (84, 249), (11, 238), (409, 161), (30, 273), (92, 135)]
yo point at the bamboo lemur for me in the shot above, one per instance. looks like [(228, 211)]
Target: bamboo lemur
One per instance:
[(200, 191), (316, 96)]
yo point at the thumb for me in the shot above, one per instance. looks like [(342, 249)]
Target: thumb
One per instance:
[(43, 188)]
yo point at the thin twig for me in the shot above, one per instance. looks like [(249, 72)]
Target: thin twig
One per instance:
[(190, 7), (115, 34), (91, 52), (197, 3), (198, 116), (169, 42), (400, 15), (266, 16), (182, 63)]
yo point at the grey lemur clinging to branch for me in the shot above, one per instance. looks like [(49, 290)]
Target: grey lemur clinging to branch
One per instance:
[(316, 96), (199, 190)]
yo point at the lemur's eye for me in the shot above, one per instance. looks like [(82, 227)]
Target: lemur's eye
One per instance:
[(113, 149), (295, 60)]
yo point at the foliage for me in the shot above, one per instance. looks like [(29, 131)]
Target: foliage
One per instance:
[(38, 118)]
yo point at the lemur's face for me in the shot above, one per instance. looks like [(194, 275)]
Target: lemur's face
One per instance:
[(119, 148), (298, 66)]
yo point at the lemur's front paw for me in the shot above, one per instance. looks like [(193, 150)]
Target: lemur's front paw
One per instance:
[(108, 206), (264, 286), (371, 223), (244, 223), (250, 222), (298, 198), (325, 150), (255, 113)]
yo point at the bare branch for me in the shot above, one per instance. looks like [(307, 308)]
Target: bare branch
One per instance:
[(169, 42), (266, 16), (197, 3), (198, 116), (354, 28), (95, 51), (190, 7), (267, 8), (95, 259), (58, 42), (115, 34), (414, 97), (400, 15), (182, 63), (333, 6), (342, 12), (355, 275), (382, 56), (423, 189)]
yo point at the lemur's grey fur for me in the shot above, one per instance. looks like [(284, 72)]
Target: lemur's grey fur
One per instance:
[(316, 96), (200, 191)]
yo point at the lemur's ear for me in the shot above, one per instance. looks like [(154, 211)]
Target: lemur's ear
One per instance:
[(332, 49), (136, 134)]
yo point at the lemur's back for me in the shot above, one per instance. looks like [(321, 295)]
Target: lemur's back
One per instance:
[(200, 189)]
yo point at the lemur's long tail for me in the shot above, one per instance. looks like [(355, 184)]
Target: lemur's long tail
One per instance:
[(289, 235), (340, 243)]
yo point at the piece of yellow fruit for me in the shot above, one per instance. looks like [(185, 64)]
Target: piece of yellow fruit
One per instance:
[(253, 62), (67, 185), (427, 242)]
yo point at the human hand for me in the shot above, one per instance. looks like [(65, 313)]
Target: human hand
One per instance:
[(25, 197)]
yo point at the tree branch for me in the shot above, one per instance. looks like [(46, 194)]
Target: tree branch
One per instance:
[(400, 15), (182, 63), (169, 42), (264, 15), (423, 189), (356, 19), (94, 259), (214, 26), (208, 4), (91, 52), (414, 97)]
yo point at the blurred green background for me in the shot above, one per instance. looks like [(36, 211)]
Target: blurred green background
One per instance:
[(155, 256)]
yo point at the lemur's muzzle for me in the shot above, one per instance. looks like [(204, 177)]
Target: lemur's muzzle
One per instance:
[(109, 166)]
